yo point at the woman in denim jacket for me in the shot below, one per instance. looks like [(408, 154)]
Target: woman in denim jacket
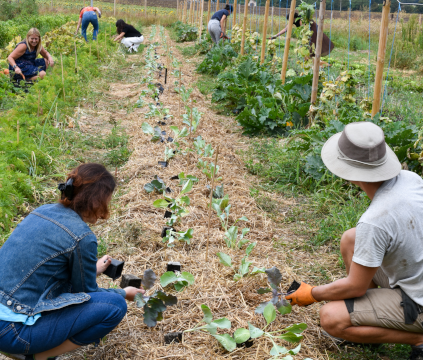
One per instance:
[(50, 302)]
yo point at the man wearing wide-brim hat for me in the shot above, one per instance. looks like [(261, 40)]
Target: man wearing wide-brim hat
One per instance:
[(381, 299)]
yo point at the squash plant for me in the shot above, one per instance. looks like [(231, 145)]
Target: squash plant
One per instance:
[(153, 305)]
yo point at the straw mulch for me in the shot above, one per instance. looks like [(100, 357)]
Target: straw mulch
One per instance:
[(135, 226)]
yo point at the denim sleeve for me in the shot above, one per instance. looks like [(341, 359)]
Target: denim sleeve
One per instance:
[(83, 265)]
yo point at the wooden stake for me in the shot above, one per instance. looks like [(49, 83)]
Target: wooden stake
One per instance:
[(190, 12), (211, 200), (114, 7), (184, 17), (17, 133), (145, 8), (234, 21), (63, 77), (288, 41), (208, 11), (244, 26), (318, 51), (200, 25), (263, 44), (76, 60), (177, 9), (383, 37)]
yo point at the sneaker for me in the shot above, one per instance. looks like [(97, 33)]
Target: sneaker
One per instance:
[(416, 354)]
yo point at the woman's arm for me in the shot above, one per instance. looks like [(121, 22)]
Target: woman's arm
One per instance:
[(77, 27), (283, 31), (46, 55), (98, 10), (16, 54), (223, 24), (119, 37)]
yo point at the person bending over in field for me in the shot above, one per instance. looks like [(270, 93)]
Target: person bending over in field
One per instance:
[(327, 45), (128, 35), (50, 302), (217, 23), (381, 299), (88, 15), (23, 60)]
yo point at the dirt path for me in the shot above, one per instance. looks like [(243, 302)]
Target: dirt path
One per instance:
[(133, 232)]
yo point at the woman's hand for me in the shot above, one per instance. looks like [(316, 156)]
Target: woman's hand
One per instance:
[(131, 292), (50, 61), (18, 70), (103, 264)]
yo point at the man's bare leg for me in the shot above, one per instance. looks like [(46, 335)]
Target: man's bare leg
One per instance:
[(335, 319)]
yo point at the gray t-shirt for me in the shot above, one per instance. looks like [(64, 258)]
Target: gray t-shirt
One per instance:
[(390, 234)]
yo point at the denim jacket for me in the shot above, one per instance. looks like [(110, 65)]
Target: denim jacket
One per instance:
[(49, 262)]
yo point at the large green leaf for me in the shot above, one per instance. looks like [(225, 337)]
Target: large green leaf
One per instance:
[(269, 313), (291, 337), (261, 307), (278, 350), (254, 331), (188, 277), (296, 350), (222, 323), (250, 248), (147, 128), (227, 341), (241, 335), (168, 278), (284, 307), (297, 328), (161, 203), (224, 259), (187, 187)]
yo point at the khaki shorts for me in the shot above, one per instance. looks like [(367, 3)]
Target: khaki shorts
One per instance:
[(381, 308)]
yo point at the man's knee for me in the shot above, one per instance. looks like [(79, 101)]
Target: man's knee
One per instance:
[(348, 240), (334, 317)]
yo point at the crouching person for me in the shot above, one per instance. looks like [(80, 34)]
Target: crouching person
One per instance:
[(381, 299), (128, 36), (23, 59), (50, 302)]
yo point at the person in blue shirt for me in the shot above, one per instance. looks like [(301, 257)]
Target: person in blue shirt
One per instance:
[(217, 23), (50, 302)]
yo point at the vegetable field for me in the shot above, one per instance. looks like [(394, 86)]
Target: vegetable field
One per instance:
[(222, 200)]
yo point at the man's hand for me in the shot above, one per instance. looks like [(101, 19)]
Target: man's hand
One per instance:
[(103, 264), (131, 292), (302, 296)]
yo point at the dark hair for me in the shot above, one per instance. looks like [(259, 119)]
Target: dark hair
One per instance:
[(120, 24), (92, 187), (81, 9), (229, 8), (296, 16)]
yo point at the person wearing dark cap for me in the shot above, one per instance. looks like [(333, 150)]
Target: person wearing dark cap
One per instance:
[(327, 45), (217, 23), (381, 299)]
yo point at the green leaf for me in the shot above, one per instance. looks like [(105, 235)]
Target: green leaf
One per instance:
[(185, 200), (244, 267), (188, 277), (250, 248), (257, 270), (269, 313), (278, 350), (211, 328), (161, 203), (149, 187), (147, 128), (208, 316), (224, 259), (168, 300), (237, 277), (227, 341), (254, 331), (261, 307), (140, 300), (222, 323), (241, 335), (175, 130), (168, 278), (297, 328), (148, 279), (284, 307), (296, 350), (291, 337), (187, 187), (274, 276), (243, 218)]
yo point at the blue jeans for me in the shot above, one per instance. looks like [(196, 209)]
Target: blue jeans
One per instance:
[(87, 18), (82, 324)]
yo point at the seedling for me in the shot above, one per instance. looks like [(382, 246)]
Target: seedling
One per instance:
[(156, 133), (192, 120), (222, 208), (201, 148), (166, 230), (184, 178), (156, 185), (153, 305), (208, 169), (179, 279), (244, 267), (172, 236), (232, 239)]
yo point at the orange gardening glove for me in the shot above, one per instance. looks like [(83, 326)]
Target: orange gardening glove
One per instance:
[(302, 296)]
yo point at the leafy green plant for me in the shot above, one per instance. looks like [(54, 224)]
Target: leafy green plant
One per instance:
[(156, 185), (222, 208), (244, 267), (156, 133), (208, 168), (180, 280), (192, 118), (201, 148), (217, 59), (153, 305), (185, 32)]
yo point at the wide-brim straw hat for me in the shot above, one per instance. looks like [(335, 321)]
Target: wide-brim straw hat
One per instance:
[(360, 153)]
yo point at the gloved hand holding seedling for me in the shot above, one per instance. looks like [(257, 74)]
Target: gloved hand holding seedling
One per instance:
[(301, 296)]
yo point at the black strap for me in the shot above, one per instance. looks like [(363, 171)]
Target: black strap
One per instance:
[(411, 309)]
